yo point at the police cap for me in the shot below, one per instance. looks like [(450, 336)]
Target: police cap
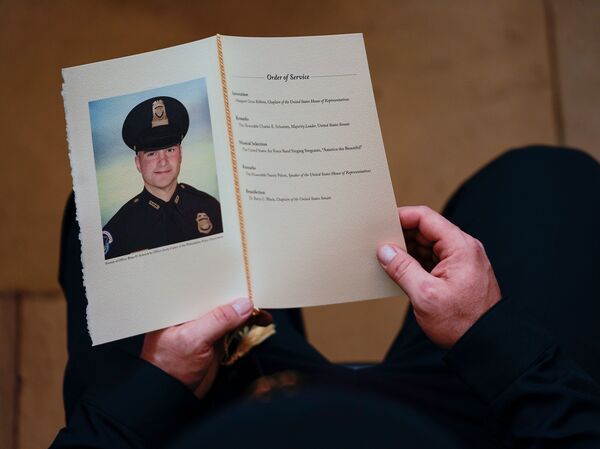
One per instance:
[(156, 123)]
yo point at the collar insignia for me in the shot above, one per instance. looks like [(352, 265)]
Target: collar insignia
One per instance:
[(154, 205)]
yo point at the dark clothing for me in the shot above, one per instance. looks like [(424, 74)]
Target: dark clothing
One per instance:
[(147, 222), (526, 375)]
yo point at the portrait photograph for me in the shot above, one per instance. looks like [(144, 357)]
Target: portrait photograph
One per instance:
[(155, 168)]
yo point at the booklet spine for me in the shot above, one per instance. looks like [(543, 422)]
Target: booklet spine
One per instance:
[(234, 165)]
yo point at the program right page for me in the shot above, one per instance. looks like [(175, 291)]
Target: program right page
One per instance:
[(316, 192)]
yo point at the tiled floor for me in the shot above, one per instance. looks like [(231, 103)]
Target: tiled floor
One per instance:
[(456, 83)]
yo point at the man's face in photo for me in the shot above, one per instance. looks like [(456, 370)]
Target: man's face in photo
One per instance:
[(159, 168)]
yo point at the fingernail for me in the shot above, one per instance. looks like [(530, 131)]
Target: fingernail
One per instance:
[(386, 254), (242, 306)]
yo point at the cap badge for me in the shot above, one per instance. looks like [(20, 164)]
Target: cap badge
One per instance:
[(204, 223), (159, 114)]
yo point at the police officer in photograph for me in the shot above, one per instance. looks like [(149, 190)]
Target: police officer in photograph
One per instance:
[(166, 211)]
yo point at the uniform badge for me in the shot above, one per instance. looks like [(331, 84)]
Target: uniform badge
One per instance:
[(107, 238), (204, 223)]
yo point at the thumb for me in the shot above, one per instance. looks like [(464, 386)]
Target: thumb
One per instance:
[(215, 324), (402, 268)]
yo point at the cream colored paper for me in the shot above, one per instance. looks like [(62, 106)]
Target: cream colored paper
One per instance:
[(156, 288), (317, 198), (312, 242)]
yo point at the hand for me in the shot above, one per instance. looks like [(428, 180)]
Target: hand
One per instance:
[(187, 351), (461, 285)]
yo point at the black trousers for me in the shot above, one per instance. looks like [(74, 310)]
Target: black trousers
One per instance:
[(537, 212)]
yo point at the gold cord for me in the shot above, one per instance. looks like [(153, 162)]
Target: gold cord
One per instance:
[(236, 182)]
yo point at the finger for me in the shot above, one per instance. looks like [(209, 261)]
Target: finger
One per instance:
[(431, 225), (421, 240), (433, 228), (215, 324), (403, 269), (413, 235)]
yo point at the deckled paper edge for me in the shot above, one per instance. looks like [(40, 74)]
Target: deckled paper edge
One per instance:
[(75, 182)]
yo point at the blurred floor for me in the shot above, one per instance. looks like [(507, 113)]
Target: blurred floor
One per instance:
[(456, 83)]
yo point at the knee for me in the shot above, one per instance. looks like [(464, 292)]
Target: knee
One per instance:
[(538, 158), (538, 168)]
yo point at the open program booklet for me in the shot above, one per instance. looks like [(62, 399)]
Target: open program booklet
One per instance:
[(223, 168)]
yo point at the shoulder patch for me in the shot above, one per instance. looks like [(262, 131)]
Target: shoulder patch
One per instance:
[(107, 239)]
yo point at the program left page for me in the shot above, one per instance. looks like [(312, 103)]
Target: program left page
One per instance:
[(153, 186)]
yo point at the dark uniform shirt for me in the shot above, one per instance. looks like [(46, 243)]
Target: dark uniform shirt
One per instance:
[(146, 221), (529, 394)]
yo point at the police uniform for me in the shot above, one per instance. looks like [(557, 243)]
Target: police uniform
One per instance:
[(146, 221)]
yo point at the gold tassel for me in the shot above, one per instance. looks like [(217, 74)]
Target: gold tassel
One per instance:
[(239, 342)]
